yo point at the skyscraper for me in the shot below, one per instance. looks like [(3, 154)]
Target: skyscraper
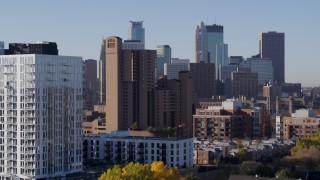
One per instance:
[(262, 66), (203, 77), (272, 46), (163, 57), (136, 31), (215, 37), (130, 77), (171, 70), (40, 119), (102, 73), (244, 83), (221, 57), (91, 84), (201, 43)]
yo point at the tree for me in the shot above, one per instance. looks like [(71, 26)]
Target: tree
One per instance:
[(137, 171), (306, 153), (284, 173), (264, 171), (242, 154), (249, 167), (134, 126)]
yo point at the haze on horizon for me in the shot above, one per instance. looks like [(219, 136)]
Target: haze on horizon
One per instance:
[(79, 26)]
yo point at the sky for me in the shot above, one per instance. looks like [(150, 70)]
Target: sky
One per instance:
[(78, 26)]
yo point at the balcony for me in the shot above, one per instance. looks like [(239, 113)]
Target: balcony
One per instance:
[(29, 122), (30, 152), (29, 115), (11, 136), (30, 137)]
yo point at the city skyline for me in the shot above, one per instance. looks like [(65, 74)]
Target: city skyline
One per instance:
[(78, 28)]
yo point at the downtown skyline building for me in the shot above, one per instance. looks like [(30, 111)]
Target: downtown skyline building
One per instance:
[(136, 32), (201, 43), (40, 118), (171, 70), (272, 45), (215, 37), (163, 57)]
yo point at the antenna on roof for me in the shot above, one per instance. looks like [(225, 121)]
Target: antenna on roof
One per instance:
[(207, 20)]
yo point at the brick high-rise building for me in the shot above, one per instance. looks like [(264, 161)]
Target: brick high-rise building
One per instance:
[(272, 46), (129, 81), (203, 77), (244, 83)]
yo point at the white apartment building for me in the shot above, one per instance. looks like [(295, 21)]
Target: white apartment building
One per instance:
[(40, 116), (120, 148)]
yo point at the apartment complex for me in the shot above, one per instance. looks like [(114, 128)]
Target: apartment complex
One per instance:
[(120, 148), (301, 124), (230, 120), (172, 104), (41, 105), (130, 75)]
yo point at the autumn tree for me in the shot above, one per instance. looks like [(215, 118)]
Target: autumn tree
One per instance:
[(137, 171), (306, 153), (284, 173)]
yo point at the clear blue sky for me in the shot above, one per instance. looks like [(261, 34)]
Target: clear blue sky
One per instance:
[(78, 26)]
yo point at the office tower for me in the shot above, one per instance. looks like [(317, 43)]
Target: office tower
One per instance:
[(201, 43), (102, 72), (244, 83), (236, 59), (42, 47), (221, 57), (136, 31), (130, 78), (132, 44), (272, 46), (203, 77), (171, 70), (41, 104), (91, 83), (262, 66), (163, 57), (2, 50), (226, 70), (292, 89), (215, 37)]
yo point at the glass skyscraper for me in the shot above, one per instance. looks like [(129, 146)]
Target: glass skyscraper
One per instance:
[(215, 37), (136, 31), (163, 57)]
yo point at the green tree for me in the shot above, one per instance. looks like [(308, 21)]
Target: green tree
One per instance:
[(284, 173)]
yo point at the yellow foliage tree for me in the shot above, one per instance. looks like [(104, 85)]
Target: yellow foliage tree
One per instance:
[(137, 171)]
